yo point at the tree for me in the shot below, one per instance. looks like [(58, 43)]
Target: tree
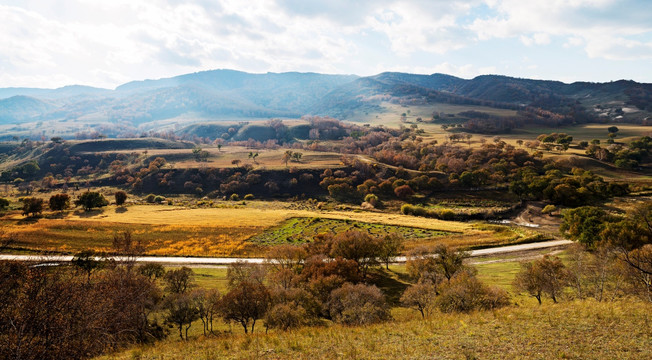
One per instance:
[(390, 247), (612, 129), (358, 246), (287, 156), (358, 305), (245, 304), (449, 261), (420, 296), (4, 204), (120, 197), (179, 281), (32, 206), (584, 224), (180, 311), (59, 202), (207, 303), (547, 275), (90, 200), (87, 262), (152, 271)]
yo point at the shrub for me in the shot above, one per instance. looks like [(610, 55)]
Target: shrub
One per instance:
[(234, 197), (372, 199), (444, 214), (249, 197), (403, 191), (285, 316), (464, 293), (150, 198), (159, 199), (548, 209), (358, 305)]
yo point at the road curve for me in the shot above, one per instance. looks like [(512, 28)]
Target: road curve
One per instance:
[(178, 260)]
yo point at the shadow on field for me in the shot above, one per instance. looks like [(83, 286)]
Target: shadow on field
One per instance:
[(390, 282), (28, 220), (56, 216), (88, 214), (120, 210)]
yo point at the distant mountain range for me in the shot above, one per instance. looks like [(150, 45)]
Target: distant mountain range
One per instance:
[(224, 94)]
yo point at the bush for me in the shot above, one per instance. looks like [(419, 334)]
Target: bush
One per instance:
[(234, 197), (548, 209), (249, 197), (358, 305), (150, 198), (444, 214), (285, 316), (372, 199), (159, 199), (464, 293)]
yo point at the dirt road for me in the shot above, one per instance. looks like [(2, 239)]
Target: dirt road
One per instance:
[(226, 261)]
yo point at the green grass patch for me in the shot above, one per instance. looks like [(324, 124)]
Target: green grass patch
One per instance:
[(301, 230)]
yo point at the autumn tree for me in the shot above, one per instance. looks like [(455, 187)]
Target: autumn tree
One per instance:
[(120, 197), (180, 311), (547, 275), (59, 202), (179, 281), (420, 296), (358, 246), (90, 200), (207, 303), (152, 271), (245, 304), (584, 224), (390, 247), (32, 206)]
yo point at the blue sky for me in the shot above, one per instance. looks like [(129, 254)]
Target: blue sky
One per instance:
[(54, 43)]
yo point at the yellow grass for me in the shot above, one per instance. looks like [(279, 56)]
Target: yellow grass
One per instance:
[(218, 231), (220, 158)]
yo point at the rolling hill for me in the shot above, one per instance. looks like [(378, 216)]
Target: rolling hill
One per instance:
[(234, 95)]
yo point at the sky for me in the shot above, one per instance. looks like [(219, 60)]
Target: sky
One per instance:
[(52, 43)]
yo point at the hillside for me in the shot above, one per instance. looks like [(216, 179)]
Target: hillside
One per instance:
[(220, 95)]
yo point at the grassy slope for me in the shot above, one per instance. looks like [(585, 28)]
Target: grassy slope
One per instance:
[(574, 329), (577, 330)]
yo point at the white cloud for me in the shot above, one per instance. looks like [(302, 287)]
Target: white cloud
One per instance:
[(104, 43)]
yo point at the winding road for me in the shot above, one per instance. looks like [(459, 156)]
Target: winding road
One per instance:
[(204, 261)]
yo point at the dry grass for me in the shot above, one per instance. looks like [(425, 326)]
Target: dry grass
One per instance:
[(222, 158), (224, 230), (576, 330)]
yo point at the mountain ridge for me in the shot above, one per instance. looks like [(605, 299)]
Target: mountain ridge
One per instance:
[(225, 93)]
